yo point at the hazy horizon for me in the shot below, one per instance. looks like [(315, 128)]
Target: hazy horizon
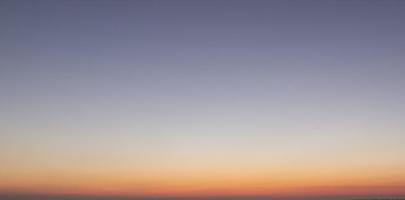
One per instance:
[(14, 196), (202, 98)]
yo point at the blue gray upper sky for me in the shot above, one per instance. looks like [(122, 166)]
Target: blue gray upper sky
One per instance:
[(202, 83)]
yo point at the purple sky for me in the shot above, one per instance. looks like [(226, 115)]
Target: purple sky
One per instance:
[(156, 79)]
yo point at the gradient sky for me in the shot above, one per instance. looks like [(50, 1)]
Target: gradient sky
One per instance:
[(202, 97)]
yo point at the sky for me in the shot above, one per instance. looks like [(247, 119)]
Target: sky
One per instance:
[(217, 97)]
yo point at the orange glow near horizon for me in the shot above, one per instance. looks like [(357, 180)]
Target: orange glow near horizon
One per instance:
[(303, 183), (202, 98), (202, 191)]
